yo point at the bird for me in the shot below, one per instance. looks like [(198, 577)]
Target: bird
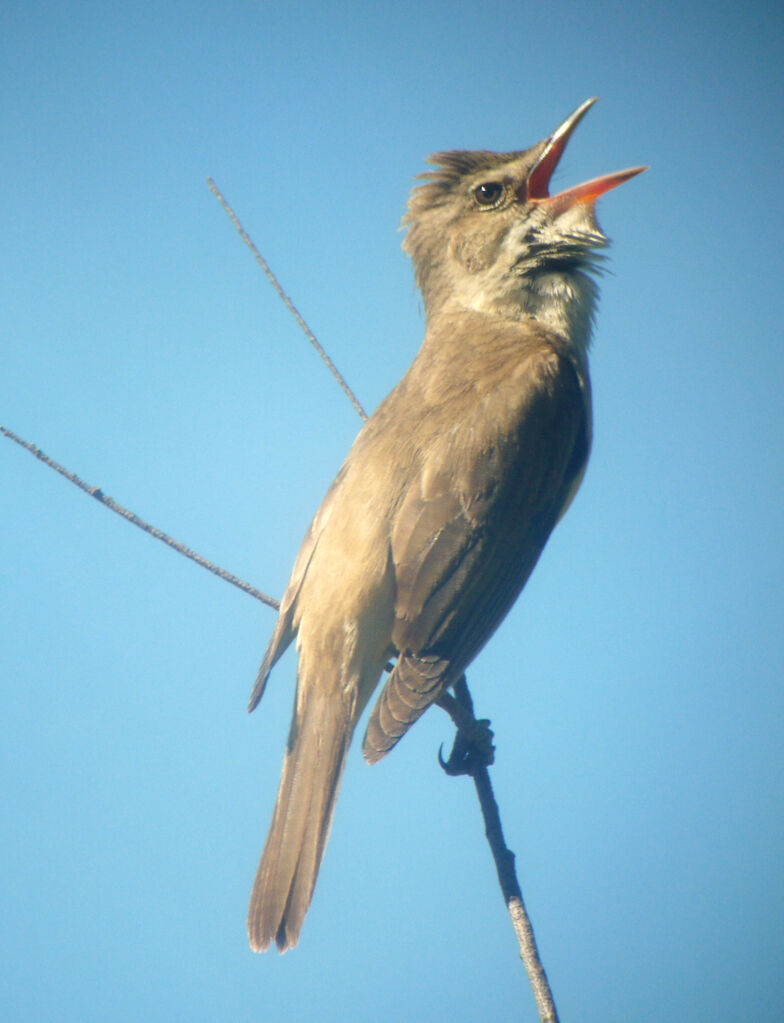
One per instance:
[(450, 491)]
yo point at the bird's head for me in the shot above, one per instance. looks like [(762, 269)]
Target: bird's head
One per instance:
[(484, 232)]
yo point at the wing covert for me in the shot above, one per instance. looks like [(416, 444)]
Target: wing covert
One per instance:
[(467, 536)]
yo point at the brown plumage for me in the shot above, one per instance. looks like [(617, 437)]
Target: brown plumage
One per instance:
[(448, 495)]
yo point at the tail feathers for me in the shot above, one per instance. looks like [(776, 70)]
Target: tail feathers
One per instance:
[(414, 684), (301, 823)]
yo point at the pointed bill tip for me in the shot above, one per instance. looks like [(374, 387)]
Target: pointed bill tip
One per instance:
[(538, 184), (576, 116), (589, 191), (539, 178)]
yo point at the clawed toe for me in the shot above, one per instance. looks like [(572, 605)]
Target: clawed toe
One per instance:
[(473, 747)]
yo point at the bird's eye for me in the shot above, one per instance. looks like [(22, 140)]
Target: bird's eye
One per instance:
[(489, 193)]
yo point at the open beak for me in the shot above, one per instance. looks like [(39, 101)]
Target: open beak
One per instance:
[(538, 184)]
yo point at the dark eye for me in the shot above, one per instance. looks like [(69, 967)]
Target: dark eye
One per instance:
[(489, 193)]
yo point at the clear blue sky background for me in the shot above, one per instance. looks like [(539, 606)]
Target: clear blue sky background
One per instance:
[(636, 689)]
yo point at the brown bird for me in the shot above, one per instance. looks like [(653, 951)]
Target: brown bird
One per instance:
[(450, 491)]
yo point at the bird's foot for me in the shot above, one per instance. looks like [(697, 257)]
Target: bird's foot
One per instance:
[(473, 745)]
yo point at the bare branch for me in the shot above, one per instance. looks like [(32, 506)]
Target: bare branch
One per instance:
[(291, 307), (469, 758), (132, 517)]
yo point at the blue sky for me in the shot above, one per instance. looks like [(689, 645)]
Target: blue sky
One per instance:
[(635, 690)]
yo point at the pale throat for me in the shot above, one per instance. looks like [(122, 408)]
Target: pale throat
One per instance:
[(561, 301), (564, 302)]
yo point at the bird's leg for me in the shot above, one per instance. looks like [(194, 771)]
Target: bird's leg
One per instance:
[(474, 740)]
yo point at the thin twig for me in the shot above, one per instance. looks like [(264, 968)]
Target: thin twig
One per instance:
[(290, 305), (132, 517), (465, 759)]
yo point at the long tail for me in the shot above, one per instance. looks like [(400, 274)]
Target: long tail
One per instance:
[(312, 771)]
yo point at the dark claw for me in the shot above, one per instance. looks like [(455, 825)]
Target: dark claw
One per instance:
[(472, 747), (459, 761)]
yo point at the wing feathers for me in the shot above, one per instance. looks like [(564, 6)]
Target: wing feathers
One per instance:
[(466, 538), (413, 685)]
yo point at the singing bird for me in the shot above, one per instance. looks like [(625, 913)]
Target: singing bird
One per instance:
[(450, 491)]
